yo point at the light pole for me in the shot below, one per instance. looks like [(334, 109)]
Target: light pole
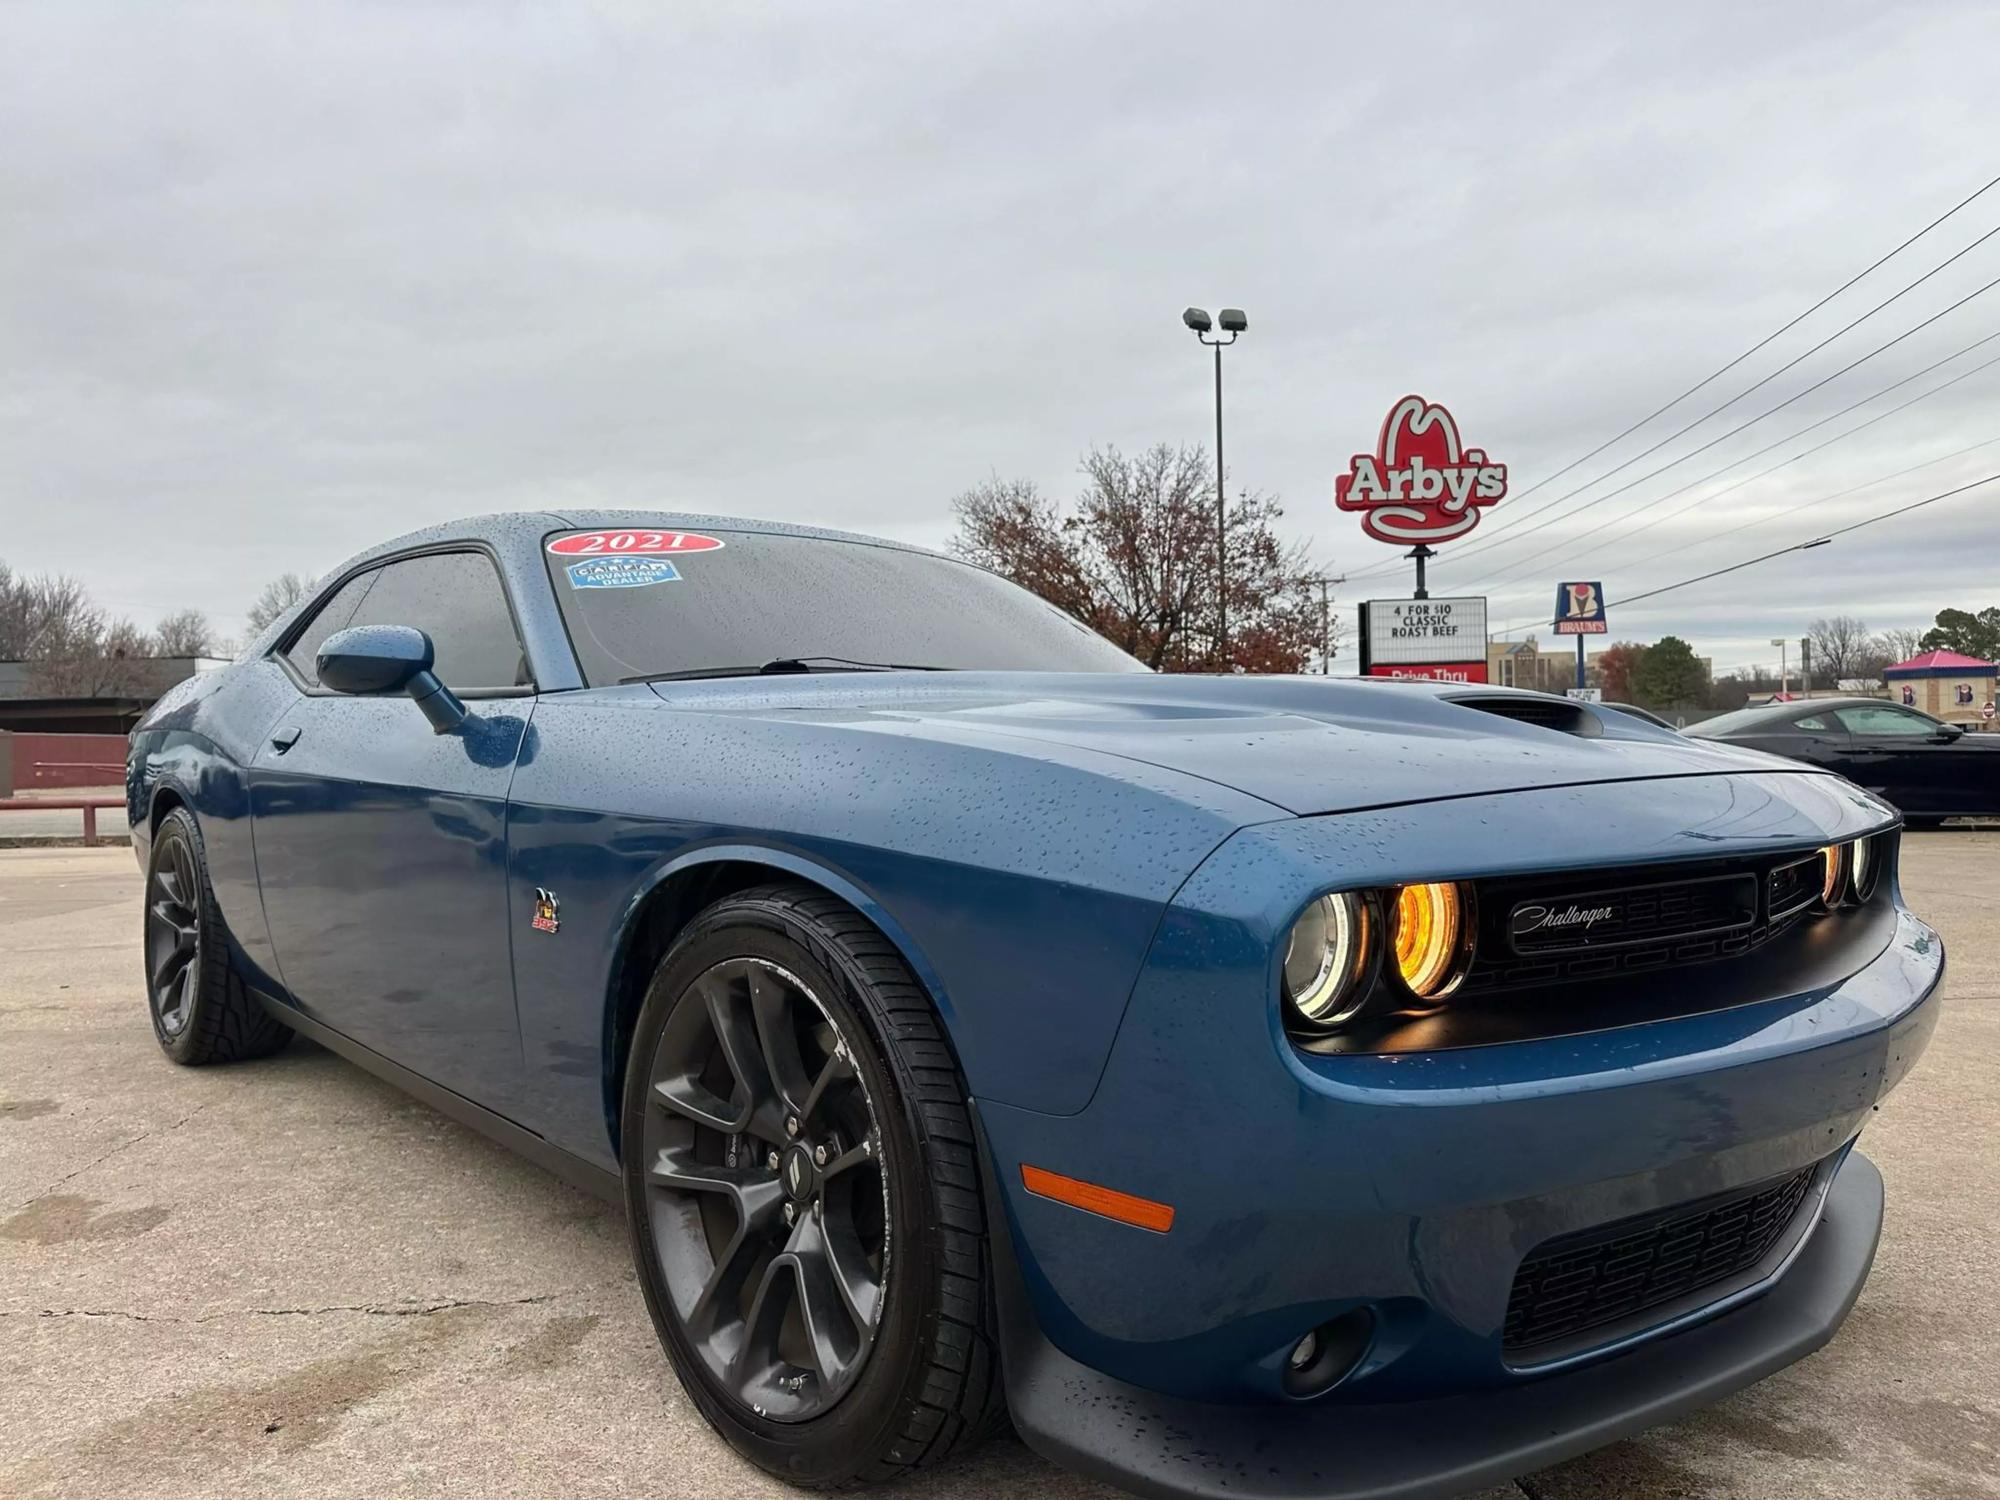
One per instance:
[(1781, 642), (1233, 322)]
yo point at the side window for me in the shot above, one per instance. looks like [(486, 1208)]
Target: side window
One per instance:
[(455, 598), (1885, 718), (1810, 721), (332, 616)]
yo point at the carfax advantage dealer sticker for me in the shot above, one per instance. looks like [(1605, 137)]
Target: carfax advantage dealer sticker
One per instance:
[(627, 559)]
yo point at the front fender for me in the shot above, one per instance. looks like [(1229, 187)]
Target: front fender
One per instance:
[(1024, 891)]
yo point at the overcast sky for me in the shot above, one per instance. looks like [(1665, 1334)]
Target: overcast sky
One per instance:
[(279, 282)]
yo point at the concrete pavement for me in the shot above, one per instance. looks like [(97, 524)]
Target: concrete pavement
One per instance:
[(284, 1278)]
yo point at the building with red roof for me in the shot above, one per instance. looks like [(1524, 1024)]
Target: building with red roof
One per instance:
[(1946, 685)]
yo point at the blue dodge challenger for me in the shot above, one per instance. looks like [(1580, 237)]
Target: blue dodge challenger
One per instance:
[(1253, 1086)]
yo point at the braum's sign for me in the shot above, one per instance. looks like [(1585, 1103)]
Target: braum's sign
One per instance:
[(1580, 609), (1420, 484)]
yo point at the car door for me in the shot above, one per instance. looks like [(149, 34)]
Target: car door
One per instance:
[(1906, 756), (381, 845)]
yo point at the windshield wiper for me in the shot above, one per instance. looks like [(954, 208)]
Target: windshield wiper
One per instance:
[(784, 666)]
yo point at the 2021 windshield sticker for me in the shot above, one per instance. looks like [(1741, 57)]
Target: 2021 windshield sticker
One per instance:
[(621, 572), (632, 543)]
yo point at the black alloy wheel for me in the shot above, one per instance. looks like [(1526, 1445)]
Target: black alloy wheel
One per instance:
[(173, 937), (201, 1010), (765, 1190), (807, 1216)]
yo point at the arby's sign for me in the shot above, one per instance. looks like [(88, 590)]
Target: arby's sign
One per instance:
[(1421, 484)]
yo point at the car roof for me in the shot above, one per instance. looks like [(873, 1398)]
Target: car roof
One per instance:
[(518, 535), (507, 527)]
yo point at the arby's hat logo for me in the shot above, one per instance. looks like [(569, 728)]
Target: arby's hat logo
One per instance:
[(1420, 484)]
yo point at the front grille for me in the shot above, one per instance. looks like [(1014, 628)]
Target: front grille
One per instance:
[(1576, 1283), (1576, 926), (1795, 886), (1601, 919)]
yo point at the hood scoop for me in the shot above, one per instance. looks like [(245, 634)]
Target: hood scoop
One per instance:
[(1559, 714)]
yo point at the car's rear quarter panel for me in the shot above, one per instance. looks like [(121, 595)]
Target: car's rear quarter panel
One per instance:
[(193, 748)]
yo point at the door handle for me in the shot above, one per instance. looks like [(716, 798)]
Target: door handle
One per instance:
[(283, 739)]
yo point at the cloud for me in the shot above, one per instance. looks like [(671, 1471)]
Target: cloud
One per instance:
[(278, 282)]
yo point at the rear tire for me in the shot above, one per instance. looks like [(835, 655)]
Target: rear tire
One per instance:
[(723, 1241), (201, 1010)]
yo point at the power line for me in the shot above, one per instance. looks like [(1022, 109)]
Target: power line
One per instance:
[(1516, 570), (1762, 343), (1741, 426), (1819, 541), (1818, 500)]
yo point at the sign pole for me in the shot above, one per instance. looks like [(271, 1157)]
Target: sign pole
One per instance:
[(1579, 661), (1420, 552)]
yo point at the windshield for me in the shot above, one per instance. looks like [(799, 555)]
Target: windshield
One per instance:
[(643, 603)]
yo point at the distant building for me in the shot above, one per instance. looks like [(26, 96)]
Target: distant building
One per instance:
[(1945, 685), (1527, 664), (1523, 664), (24, 707)]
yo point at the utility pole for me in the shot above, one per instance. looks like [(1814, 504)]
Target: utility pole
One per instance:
[(1326, 622), (1783, 644)]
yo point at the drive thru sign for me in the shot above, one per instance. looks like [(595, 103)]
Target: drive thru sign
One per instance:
[(1444, 639)]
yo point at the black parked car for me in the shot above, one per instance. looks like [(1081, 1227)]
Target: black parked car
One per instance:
[(1644, 715), (1929, 769)]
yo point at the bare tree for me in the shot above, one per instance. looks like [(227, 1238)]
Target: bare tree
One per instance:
[(279, 595), (185, 632), (1134, 559), (71, 647), (1898, 645), (81, 654), (39, 609), (1841, 647)]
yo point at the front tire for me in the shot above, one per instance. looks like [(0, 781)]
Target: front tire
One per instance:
[(802, 1185), (201, 1011)]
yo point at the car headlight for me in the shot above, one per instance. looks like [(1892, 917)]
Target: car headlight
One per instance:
[(1326, 959), (1428, 938), (1867, 867)]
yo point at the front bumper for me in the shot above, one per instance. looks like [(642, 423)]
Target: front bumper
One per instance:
[(1410, 1187), (1169, 1446)]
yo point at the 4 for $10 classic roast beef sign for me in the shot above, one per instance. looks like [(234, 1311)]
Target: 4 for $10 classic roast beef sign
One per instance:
[(1420, 484)]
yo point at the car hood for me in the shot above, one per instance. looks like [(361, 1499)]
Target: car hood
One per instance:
[(1303, 744)]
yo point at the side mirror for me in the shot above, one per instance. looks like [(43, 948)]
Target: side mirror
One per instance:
[(371, 659), (1944, 734)]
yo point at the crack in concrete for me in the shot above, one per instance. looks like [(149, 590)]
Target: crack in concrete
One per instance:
[(114, 1151), (417, 1308)]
